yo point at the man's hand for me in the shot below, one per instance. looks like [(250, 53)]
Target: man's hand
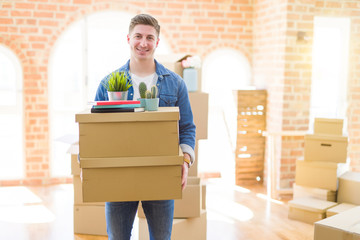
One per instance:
[(185, 171)]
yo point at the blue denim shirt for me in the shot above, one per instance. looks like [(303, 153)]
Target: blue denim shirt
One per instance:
[(172, 92)]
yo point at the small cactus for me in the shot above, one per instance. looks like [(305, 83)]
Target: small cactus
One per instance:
[(142, 89), (154, 91), (147, 94)]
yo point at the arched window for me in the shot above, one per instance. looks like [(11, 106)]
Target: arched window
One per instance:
[(223, 71), (330, 68), (11, 121), (87, 51)]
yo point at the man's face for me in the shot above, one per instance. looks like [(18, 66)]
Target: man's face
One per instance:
[(143, 42)]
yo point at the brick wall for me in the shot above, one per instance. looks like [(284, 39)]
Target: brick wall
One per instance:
[(277, 48), (31, 27), (263, 30)]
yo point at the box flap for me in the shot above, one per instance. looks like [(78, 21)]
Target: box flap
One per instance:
[(314, 191), (351, 176), (329, 120), (193, 181), (73, 149), (132, 161), (341, 208), (347, 220), (163, 114), (319, 164), (311, 204), (324, 137)]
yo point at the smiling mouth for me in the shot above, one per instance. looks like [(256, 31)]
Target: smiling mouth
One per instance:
[(142, 50)]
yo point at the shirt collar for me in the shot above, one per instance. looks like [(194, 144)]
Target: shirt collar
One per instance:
[(161, 71)]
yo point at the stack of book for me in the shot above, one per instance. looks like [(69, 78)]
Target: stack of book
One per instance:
[(116, 106)]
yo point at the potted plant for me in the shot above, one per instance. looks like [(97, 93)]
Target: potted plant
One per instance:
[(151, 99), (117, 85), (142, 91)]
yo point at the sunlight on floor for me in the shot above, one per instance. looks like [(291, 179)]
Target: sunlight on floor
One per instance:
[(229, 209), (20, 205), (26, 214), (267, 198), (17, 195)]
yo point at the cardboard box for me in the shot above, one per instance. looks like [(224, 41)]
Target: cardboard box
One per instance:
[(349, 188), (173, 63), (200, 107), (189, 228), (308, 210), (131, 178), (89, 220), (193, 171), (342, 226), (328, 126), (325, 148), (75, 165), (318, 193), (78, 196), (74, 151), (190, 204), (203, 196), (133, 134), (319, 174), (342, 207)]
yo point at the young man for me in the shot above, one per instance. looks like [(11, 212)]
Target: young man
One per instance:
[(143, 39)]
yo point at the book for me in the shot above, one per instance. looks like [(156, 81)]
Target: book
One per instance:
[(112, 110), (117, 102), (118, 106)]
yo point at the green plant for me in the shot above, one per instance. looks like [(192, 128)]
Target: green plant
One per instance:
[(117, 82), (142, 89), (152, 93)]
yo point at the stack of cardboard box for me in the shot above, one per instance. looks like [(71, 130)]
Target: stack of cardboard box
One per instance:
[(342, 226), (130, 156), (317, 175), (343, 221), (89, 218), (125, 157), (190, 211)]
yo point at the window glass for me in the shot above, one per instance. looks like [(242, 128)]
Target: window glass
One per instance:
[(86, 52), (330, 64), (223, 72), (11, 124)]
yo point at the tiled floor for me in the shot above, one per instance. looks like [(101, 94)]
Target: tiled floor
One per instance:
[(37, 213)]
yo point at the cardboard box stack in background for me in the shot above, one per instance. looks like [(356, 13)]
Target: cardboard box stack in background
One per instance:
[(317, 175), (343, 220), (89, 218), (309, 210), (190, 211), (173, 63)]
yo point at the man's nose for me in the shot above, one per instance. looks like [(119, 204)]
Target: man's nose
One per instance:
[(143, 42)]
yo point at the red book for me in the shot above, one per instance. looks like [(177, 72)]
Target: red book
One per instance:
[(117, 102)]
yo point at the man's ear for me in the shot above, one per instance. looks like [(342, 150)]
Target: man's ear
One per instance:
[(157, 42), (128, 38)]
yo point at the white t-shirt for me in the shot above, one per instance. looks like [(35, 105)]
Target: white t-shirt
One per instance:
[(149, 80)]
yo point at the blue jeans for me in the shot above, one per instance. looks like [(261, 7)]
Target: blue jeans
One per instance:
[(120, 218)]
